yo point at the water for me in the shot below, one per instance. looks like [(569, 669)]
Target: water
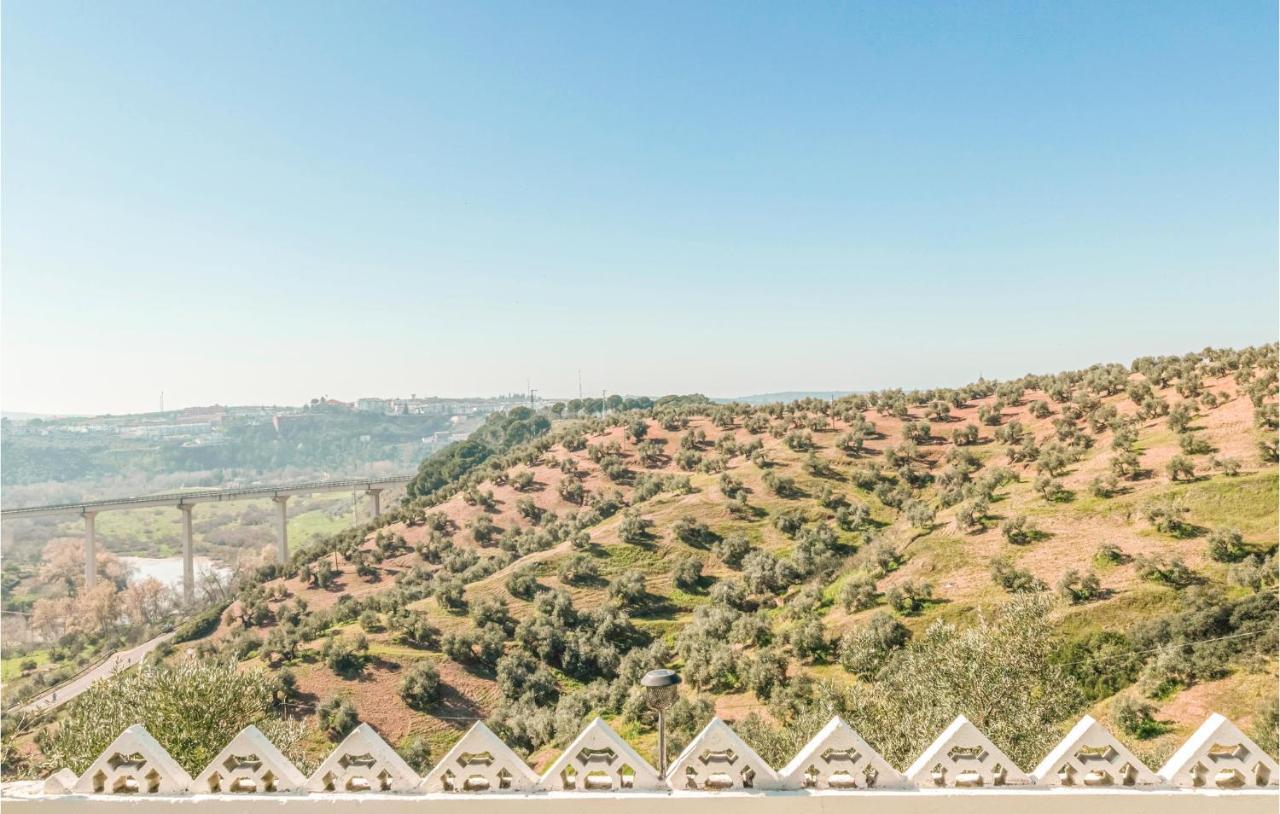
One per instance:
[(168, 570)]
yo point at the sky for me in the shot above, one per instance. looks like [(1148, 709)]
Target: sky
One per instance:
[(236, 202)]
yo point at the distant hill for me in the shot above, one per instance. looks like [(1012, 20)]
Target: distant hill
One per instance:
[(786, 396)]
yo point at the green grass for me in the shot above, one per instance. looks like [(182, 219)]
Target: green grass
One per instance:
[(11, 668)]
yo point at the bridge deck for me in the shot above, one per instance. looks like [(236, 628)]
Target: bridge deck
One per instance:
[(207, 496)]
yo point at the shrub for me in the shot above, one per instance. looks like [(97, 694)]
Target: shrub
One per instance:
[(732, 549), (1104, 486), (909, 597), (1227, 545), (577, 569), (370, 620), (634, 529), (1228, 466), (865, 651), (421, 685), (1180, 467), (859, 593), (522, 583), (1169, 571), (194, 708), (688, 573), (337, 717), (1019, 530), (628, 588), (1014, 580), (1167, 516), (1136, 718), (1077, 588), (1110, 554), (346, 655)]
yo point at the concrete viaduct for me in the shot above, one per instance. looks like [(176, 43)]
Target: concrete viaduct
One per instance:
[(185, 502)]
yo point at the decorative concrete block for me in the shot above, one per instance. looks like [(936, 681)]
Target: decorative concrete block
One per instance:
[(963, 757), (480, 762), (718, 760), (134, 763), (250, 764), (1220, 756), (600, 760), (838, 758), (1091, 756), (60, 782), (363, 762)]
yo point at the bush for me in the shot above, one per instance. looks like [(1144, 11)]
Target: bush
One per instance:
[(859, 593), (865, 651), (421, 685), (1019, 530), (909, 597), (193, 708), (628, 588), (522, 583), (634, 529), (337, 717), (1180, 467), (1167, 516), (1169, 571), (202, 624), (578, 569), (346, 655), (1014, 580), (1077, 588), (1136, 718), (688, 573), (1110, 554), (732, 549), (1227, 545)]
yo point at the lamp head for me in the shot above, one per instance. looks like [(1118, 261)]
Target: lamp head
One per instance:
[(661, 688)]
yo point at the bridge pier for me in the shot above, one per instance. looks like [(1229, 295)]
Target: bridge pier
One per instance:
[(282, 528), (90, 552), (375, 500), (188, 557)]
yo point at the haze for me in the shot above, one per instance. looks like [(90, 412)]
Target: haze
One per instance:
[(263, 203)]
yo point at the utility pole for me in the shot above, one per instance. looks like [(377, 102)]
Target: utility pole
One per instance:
[(603, 409), (579, 384)]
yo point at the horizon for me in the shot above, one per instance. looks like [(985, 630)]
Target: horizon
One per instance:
[(252, 204), (791, 393)]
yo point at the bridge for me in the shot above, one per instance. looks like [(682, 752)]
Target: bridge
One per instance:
[(185, 502)]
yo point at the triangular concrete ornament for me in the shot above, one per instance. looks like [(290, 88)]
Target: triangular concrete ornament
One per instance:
[(363, 762), (60, 782), (1091, 756), (134, 763), (718, 760), (837, 758), (250, 764), (480, 762), (600, 760), (963, 757), (1219, 755)]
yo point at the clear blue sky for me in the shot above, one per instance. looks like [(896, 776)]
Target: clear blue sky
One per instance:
[(264, 202)]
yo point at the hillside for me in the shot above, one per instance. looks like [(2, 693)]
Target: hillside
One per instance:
[(777, 554)]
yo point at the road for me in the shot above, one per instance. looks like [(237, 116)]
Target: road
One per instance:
[(121, 660)]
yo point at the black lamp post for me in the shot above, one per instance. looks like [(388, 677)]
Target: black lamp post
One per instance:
[(661, 688)]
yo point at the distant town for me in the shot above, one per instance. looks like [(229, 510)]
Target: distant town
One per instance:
[(202, 426)]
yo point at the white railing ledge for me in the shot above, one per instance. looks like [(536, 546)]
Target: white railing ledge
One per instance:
[(27, 797)]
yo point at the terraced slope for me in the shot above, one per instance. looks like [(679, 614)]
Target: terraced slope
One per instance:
[(885, 493)]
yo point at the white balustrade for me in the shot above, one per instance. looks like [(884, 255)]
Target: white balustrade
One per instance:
[(963, 757), (1219, 769)]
